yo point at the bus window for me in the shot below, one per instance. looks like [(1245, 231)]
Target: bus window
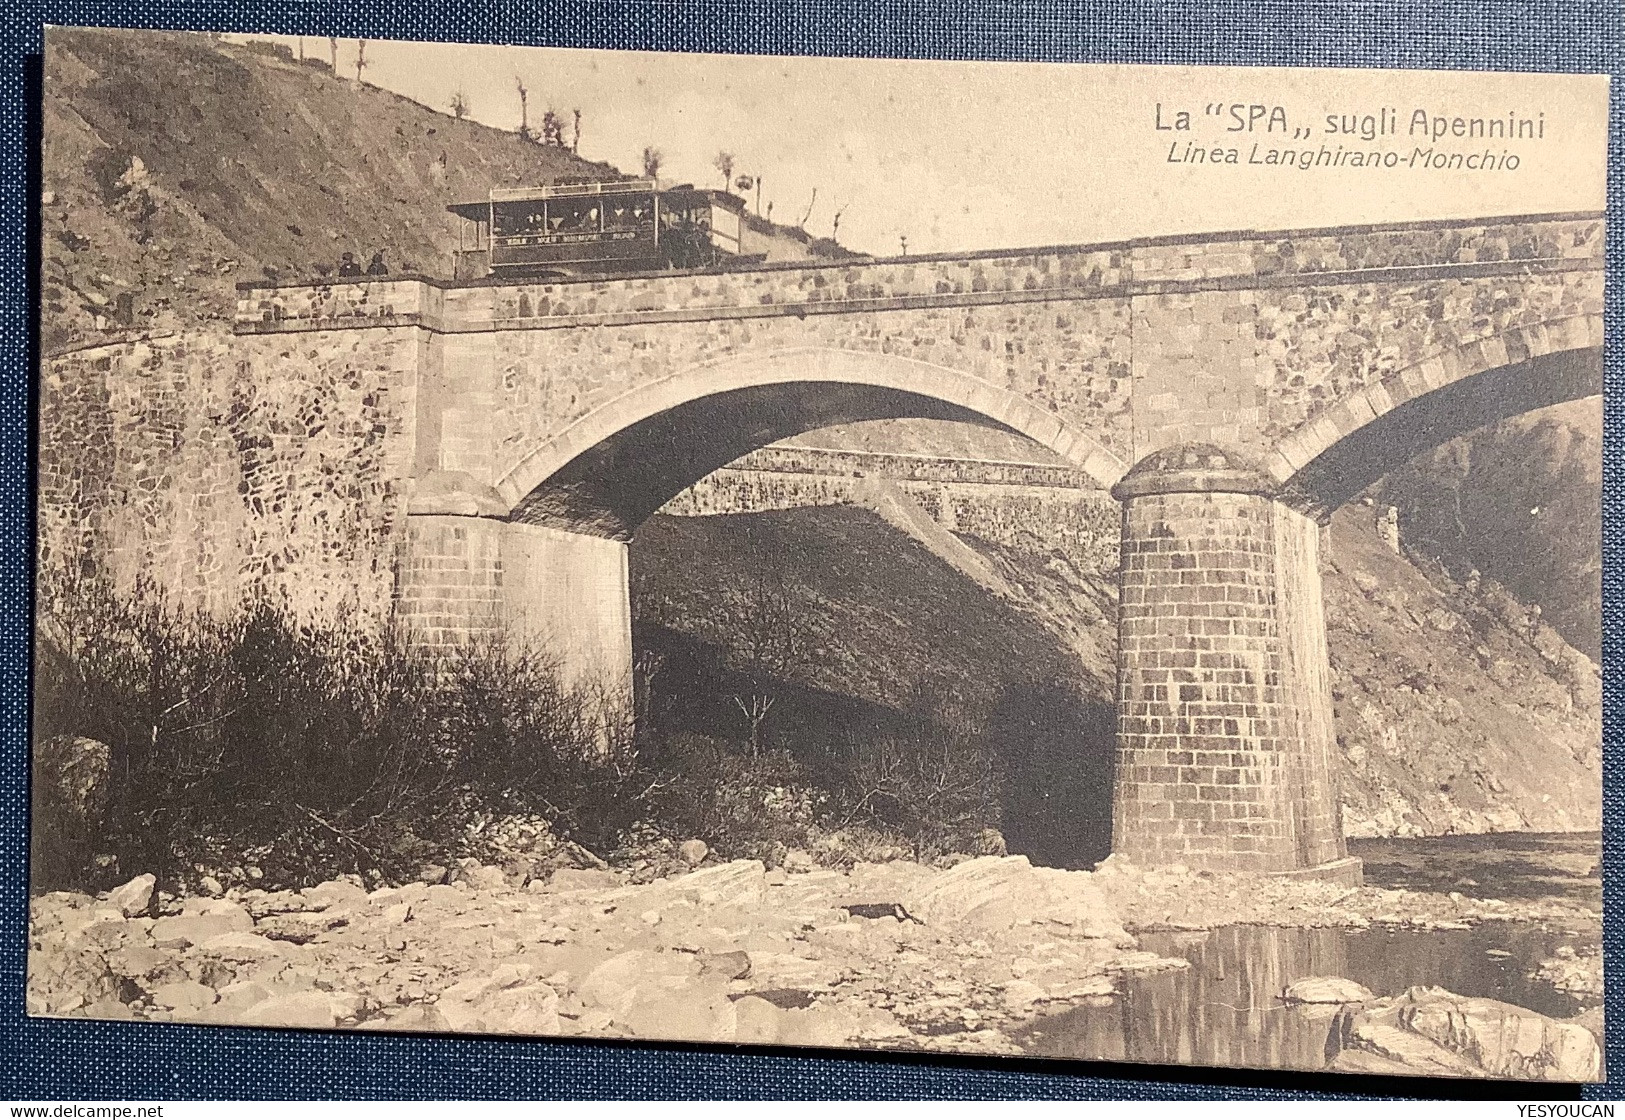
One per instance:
[(573, 215), (628, 213), (517, 219)]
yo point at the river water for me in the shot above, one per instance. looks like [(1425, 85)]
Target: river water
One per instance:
[(1226, 1010)]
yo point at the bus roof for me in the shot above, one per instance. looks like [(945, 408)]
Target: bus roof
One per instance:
[(480, 211)]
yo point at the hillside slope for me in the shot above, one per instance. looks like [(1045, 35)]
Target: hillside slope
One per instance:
[(1455, 712), (1520, 501), (175, 165)]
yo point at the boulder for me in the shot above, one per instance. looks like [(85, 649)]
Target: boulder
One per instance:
[(519, 870), (1326, 989), (417, 1017), (445, 896), (690, 1011), (1022, 994), (501, 1003), (734, 965), (101, 929), (480, 877), (133, 897), (1376, 1034), (241, 947), (296, 1009), (992, 893), (1434, 1032), (784, 970), (583, 879), (1370, 1063), (184, 997), (64, 980), (300, 927), (881, 882), (740, 883), (628, 977), (194, 929), (336, 892), (1087, 987), (693, 852), (817, 1026), (530, 1009), (1504, 1039), (234, 999), (138, 962), (756, 1021)]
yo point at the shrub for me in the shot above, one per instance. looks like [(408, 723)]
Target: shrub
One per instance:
[(745, 806), (172, 741), (934, 780), (308, 751)]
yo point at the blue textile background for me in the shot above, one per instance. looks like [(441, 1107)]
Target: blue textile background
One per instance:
[(57, 1060)]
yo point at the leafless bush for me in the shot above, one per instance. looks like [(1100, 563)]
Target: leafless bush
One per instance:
[(935, 781), (305, 750)]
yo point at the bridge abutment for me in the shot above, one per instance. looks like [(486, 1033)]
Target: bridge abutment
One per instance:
[(569, 596), (565, 595), (469, 574), (449, 584), (1224, 697)]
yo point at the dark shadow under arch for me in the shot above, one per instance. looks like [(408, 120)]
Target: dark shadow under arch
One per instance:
[(1394, 438), (614, 486)]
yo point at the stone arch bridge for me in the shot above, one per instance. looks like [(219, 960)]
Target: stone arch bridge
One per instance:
[(473, 458)]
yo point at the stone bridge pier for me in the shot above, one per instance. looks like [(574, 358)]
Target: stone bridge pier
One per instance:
[(1224, 697), (470, 459)]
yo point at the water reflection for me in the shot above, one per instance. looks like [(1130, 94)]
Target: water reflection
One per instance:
[(1226, 1009)]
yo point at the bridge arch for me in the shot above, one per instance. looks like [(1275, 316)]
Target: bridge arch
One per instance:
[(611, 469), (1225, 717), (1346, 448)]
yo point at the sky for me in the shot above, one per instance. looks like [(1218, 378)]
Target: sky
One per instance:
[(958, 156)]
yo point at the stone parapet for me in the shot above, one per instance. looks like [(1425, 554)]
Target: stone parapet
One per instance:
[(1145, 266)]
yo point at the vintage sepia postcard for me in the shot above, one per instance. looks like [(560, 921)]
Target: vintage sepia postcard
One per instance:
[(1094, 562)]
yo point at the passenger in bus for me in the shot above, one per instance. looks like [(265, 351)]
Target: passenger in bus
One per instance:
[(376, 266), (348, 265)]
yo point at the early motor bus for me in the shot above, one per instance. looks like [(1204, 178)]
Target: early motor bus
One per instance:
[(570, 229)]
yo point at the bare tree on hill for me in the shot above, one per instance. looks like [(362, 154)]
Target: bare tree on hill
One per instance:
[(524, 108), (575, 135), (552, 129), (459, 105), (360, 58), (724, 162), (652, 159)]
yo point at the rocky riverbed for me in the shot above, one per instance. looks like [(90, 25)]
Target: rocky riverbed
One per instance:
[(893, 955)]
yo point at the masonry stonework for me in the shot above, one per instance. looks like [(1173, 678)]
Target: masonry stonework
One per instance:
[(468, 458), (224, 469), (451, 588), (1221, 760), (1036, 508)]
